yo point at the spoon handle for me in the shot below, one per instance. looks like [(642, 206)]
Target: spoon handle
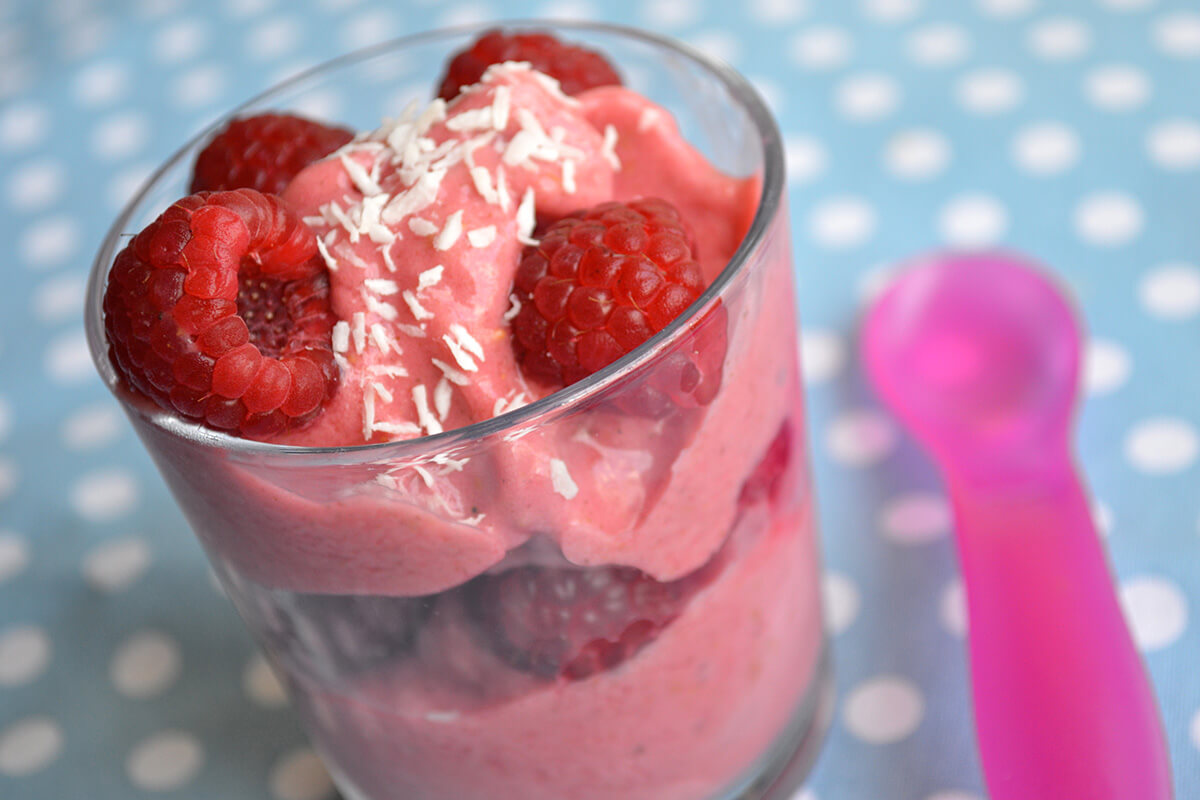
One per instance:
[(1063, 705)]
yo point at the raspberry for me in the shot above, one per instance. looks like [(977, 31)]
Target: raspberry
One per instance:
[(576, 68), (219, 310), (263, 152), (766, 481), (573, 623), (601, 282)]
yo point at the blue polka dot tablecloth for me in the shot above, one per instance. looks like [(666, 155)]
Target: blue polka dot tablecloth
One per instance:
[(1067, 129)]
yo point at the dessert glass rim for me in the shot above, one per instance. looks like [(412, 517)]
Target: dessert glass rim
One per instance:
[(553, 404)]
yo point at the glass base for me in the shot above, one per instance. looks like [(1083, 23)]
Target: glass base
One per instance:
[(777, 774)]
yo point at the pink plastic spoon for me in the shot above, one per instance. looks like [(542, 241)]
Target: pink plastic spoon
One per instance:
[(979, 356)]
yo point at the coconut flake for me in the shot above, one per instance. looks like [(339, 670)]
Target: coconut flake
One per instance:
[(382, 391), (425, 417), (468, 341), (514, 309), (414, 331), (330, 262), (608, 148), (385, 310), (386, 250), (475, 119), (390, 370), (453, 375), (460, 355), (568, 176), (396, 429), (359, 331), (441, 398), (502, 189), (450, 232), (561, 479), (381, 339), (341, 218), (372, 208), (520, 148), (421, 226), (435, 112), (473, 521), (430, 277), (483, 184), (552, 86), (368, 415), (482, 237), (425, 476), (414, 305), (418, 198), (341, 336), (501, 103), (526, 218), (381, 286), (359, 176)]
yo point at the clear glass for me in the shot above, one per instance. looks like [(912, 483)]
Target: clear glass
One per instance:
[(383, 581)]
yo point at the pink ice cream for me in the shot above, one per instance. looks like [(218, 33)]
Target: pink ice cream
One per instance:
[(422, 224)]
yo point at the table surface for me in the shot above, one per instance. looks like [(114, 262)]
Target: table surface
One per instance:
[(1070, 130)]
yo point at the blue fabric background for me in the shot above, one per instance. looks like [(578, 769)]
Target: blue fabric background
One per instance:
[(1068, 129)]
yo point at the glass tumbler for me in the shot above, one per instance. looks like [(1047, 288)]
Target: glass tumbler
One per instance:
[(457, 617)]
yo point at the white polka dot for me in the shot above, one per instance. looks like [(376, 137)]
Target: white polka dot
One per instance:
[(883, 710), (8, 477), (841, 600), (59, 299), (1156, 610), (867, 97), (917, 154), (915, 518), (198, 87), (1162, 446), (115, 565), (246, 8), (153, 9), (1171, 291), (806, 158), (320, 105), (36, 185), (165, 761), (822, 355), (24, 654), (104, 495), (717, 44), (5, 419), (1178, 34), (23, 125), (952, 608), (68, 359), (101, 83), (890, 11), (1194, 730), (938, 45), (670, 13), (91, 427), (478, 13), (1106, 367), (120, 135), (125, 184), (775, 11), (49, 242), (989, 91), (29, 746), (85, 37), (1005, 9), (261, 685), (1102, 515), (300, 775), (1127, 5), (1108, 219), (1046, 148), (973, 221), (273, 38), (568, 9), (1175, 144), (14, 556), (821, 48), (861, 438), (1060, 39), (145, 665), (1117, 87), (367, 28), (842, 222), (180, 41)]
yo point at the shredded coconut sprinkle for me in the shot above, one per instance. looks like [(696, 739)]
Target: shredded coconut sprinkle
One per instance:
[(382, 391), (483, 184), (468, 341), (441, 398), (381, 286), (453, 375), (450, 232), (425, 417), (526, 218), (482, 237), (514, 309), (430, 277), (381, 339), (359, 175), (341, 336), (609, 147), (359, 331), (568, 176), (391, 370), (561, 479), (421, 226), (460, 355), (368, 415), (385, 310), (330, 261), (501, 103), (419, 311)]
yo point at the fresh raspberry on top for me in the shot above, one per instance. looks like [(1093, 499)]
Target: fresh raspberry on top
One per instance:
[(601, 282), (573, 623), (219, 311), (264, 152), (575, 67)]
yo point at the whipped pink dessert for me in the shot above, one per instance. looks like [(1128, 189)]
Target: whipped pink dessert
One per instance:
[(616, 599)]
